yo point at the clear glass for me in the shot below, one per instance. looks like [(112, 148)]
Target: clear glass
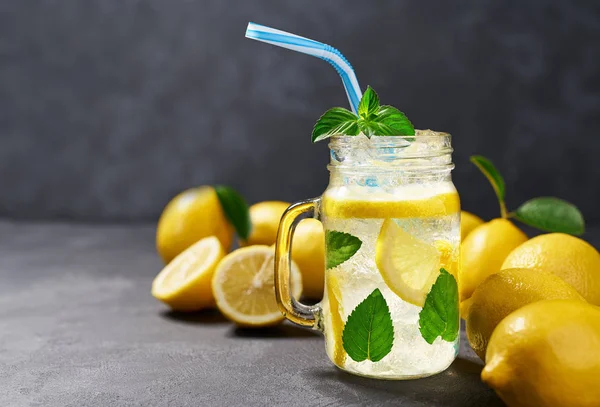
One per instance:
[(396, 196)]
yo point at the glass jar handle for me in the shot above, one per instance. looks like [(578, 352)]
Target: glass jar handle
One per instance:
[(305, 315)]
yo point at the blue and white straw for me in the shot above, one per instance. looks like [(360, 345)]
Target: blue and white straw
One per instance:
[(314, 48)]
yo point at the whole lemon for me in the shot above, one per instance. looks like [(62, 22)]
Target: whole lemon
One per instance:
[(484, 251), (192, 215), (546, 355), (505, 292), (570, 258), (468, 222), (265, 217), (308, 251)]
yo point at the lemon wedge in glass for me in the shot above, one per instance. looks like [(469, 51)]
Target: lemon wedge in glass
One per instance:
[(410, 266)]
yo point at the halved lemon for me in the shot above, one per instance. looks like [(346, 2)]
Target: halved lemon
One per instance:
[(184, 283), (244, 288), (409, 266)]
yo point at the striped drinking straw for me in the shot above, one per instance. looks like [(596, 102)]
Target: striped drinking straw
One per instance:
[(314, 48)]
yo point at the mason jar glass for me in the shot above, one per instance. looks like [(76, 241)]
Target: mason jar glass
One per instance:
[(391, 216)]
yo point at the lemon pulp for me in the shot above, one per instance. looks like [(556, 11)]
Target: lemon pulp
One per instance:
[(243, 285), (185, 283)]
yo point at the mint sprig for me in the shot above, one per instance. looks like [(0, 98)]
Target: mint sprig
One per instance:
[(369, 331), (340, 247), (236, 210), (439, 316), (369, 104), (546, 213), (372, 120), (335, 121)]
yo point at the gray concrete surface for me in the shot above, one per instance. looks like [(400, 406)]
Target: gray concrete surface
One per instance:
[(78, 327)]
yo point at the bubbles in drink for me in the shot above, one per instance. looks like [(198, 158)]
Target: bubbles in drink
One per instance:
[(423, 215)]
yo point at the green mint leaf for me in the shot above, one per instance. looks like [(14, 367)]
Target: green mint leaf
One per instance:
[(372, 120), (369, 104), (389, 121), (236, 210), (340, 247), (369, 332), (395, 122), (366, 128), (335, 121), (439, 316), (551, 215)]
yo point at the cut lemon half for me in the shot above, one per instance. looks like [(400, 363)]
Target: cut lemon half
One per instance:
[(409, 266), (244, 287), (184, 284)]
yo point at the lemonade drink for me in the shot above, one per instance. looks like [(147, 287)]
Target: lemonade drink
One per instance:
[(391, 216), (406, 217)]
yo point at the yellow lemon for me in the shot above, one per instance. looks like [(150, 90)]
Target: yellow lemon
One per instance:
[(546, 354), (308, 248), (449, 258), (185, 283), (572, 259), (264, 217), (483, 252), (332, 308), (468, 222), (308, 251), (438, 205), (409, 266), (244, 290), (504, 292), (189, 217)]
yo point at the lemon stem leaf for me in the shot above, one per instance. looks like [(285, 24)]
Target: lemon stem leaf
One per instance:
[(235, 209), (496, 180), (503, 212), (551, 215)]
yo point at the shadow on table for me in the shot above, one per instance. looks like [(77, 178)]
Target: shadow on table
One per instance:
[(284, 331), (209, 316), (459, 385)]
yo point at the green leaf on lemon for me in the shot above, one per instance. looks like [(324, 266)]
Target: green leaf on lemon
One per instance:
[(439, 316), (236, 210), (551, 215), (340, 247), (369, 331), (489, 170)]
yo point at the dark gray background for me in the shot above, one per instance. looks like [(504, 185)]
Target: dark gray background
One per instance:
[(110, 107)]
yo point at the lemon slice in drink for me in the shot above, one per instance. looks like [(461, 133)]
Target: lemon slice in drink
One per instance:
[(244, 288), (184, 284), (335, 310), (347, 208), (409, 266)]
